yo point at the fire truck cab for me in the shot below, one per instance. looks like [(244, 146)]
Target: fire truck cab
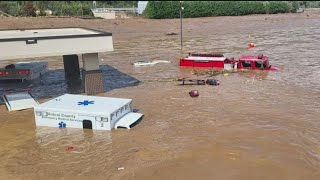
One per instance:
[(255, 62)]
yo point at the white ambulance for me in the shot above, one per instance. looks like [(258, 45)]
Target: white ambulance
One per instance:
[(89, 112)]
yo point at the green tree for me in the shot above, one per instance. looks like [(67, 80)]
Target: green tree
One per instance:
[(43, 6)]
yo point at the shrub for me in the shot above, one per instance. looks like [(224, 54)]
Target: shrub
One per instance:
[(275, 7), (29, 9), (87, 10), (295, 6), (162, 9), (43, 6), (58, 8), (11, 8), (170, 9)]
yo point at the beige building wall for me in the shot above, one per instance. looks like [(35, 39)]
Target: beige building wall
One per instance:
[(105, 15), (111, 15)]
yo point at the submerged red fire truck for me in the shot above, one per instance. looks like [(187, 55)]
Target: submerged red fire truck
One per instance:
[(253, 62)]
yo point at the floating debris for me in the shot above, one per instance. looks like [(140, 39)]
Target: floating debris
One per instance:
[(171, 34), (211, 72), (149, 63), (213, 82), (193, 81), (69, 148), (194, 93)]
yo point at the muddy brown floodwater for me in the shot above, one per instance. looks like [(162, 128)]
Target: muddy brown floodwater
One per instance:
[(255, 125)]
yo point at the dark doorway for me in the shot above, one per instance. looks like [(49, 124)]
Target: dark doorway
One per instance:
[(87, 124)]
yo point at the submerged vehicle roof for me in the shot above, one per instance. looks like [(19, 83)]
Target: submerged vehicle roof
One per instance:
[(85, 104), (23, 65), (254, 57)]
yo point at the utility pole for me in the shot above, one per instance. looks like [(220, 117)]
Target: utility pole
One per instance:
[(94, 4), (181, 8)]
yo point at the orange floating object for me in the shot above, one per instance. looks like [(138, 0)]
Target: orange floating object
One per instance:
[(251, 45)]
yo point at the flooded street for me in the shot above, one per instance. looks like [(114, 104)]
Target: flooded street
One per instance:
[(255, 125)]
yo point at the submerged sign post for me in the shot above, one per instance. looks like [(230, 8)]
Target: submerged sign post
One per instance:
[(91, 112)]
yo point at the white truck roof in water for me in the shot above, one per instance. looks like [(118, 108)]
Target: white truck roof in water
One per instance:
[(19, 101), (28, 65), (84, 104), (198, 58)]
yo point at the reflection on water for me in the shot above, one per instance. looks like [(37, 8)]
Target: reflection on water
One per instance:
[(259, 75), (254, 125)]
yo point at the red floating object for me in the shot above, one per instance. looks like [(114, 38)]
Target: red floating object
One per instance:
[(251, 45), (69, 148), (194, 93)]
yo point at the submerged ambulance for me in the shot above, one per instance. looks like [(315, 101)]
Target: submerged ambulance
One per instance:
[(90, 112)]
